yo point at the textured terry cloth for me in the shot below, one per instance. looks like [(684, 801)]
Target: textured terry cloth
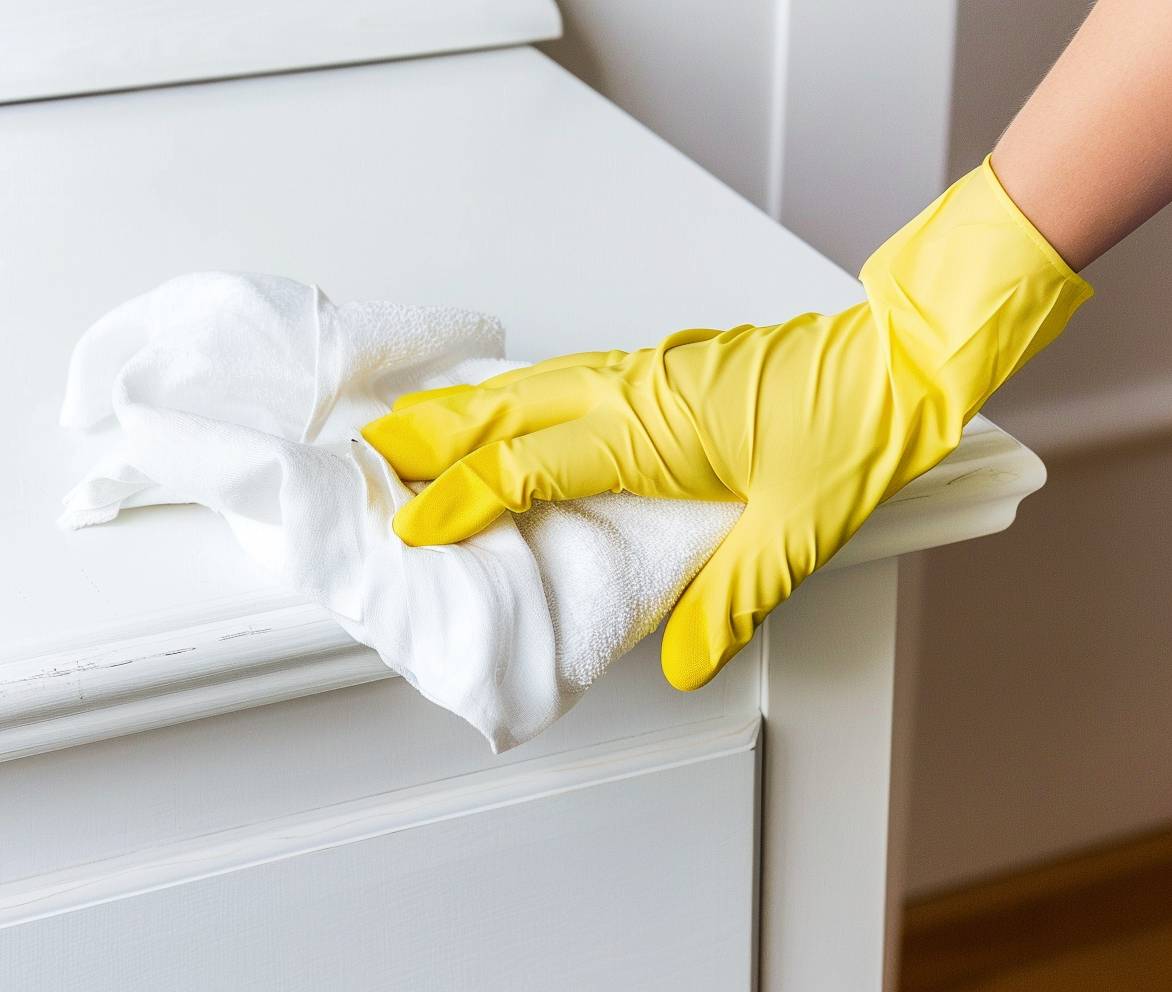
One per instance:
[(246, 393)]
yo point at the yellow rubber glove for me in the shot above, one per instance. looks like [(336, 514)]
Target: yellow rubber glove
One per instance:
[(810, 423)]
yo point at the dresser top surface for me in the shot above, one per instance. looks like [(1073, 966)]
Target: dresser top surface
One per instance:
[(492, 181)]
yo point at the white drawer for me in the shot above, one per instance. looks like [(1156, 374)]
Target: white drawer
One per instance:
[(644, 881)]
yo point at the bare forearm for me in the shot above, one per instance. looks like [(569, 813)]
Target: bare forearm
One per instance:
[(1089, 157)]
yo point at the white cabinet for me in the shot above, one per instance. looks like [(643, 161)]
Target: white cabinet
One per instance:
[(208, 786)]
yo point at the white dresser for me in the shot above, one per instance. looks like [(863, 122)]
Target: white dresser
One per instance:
[(207, 786)]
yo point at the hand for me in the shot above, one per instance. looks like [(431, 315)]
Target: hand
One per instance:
[(810, 423)]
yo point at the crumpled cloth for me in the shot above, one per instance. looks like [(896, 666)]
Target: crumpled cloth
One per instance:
[(245, 393)]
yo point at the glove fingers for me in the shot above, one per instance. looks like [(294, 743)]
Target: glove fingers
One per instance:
[(716, 616), (423, 395), (567, 461), (586, 359), (581, 359), (424, 438)]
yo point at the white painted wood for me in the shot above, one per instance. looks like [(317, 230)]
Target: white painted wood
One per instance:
[(778, 95), (79, 695), (166, 786), (153, 868), (128, 682), (486, 180), (623, 869), (827, 703), (61, 47)]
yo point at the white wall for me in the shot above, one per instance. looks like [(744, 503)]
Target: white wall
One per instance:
[(700, 74), (866, 111)]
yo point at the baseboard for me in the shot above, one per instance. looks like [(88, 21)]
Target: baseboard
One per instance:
[(952, 940)]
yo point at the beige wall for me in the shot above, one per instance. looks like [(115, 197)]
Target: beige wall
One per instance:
[(1044, 689)]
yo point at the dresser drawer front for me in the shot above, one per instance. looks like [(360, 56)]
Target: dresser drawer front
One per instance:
[(644, 879)]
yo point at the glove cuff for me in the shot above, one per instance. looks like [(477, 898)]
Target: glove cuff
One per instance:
[(1083, 289), (964, 295)]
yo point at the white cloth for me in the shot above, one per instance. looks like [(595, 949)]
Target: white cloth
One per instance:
[(246, 393)]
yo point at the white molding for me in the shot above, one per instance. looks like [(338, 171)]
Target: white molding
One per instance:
[(63, 891), (140, 682), (775, 159), (227, 656), (867, 146), (67, 47), (825, 785)]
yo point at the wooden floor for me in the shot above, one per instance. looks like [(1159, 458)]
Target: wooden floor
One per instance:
[(1099, 921), (1132, 963)]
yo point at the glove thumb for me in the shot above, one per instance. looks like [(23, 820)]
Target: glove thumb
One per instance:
[(715, 617)]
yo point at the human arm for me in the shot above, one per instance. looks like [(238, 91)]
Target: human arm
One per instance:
[(1089, 157)]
